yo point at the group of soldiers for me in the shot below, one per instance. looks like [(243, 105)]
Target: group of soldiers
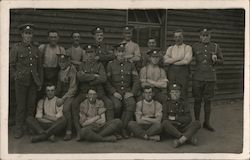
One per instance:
[(109, 93)]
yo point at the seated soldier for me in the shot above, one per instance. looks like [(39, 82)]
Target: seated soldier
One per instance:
[(93, 120), (177, 120), (49, 118), (148, 117), (66, 89), (155, 76)]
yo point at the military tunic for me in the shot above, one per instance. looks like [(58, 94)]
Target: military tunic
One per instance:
[(27, 71), (105, 53)]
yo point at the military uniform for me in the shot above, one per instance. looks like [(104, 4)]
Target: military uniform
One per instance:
[(91, 74), (103, 51), (122, 78), (177, 120), (204, 76), (66, 90), (27, 71)]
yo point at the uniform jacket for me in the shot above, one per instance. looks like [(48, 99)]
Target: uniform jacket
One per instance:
[(88, 79), (25, 64), (179, 109), (105, 53), (204, 68), (122, 77), (67, 82)]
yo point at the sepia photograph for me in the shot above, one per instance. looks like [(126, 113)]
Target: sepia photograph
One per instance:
[(140, 81)]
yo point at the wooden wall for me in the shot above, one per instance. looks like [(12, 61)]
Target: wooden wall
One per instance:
[(228, 31)]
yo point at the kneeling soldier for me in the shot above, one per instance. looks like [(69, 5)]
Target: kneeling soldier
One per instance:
[(148, 117), (177, 120), (49, 118), (93, 120), (66, 90)]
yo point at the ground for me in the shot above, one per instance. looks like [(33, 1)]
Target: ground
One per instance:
[(227, 119)]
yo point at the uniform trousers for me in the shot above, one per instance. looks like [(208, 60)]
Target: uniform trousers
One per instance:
[(177, 131), (124, 109), (140, 130), (67, 112), (26, 102), (76, 108), (95, 133), (50, 128)]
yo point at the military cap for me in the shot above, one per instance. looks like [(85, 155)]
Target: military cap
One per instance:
[(205, 30), (97, 30), (128, 29), (90, 48), (26, 26), (174, 86), (119, 47), (154, 53)]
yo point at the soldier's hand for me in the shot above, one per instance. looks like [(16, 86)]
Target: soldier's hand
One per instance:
[(97, 58), (96, 75), (118, 95), (128, 94), (214, 58), (59, 102), (39, 88), (80, 73)]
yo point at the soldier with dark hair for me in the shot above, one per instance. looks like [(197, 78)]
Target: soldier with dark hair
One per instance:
[(207, 55), (27, 71)]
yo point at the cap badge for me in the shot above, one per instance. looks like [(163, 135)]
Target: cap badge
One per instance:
[(27, 27), (98, 29)]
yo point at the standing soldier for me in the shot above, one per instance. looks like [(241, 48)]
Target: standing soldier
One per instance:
[(50, 58), (132, 49), (91, 74), (148, 117), (104, 53), (207, 55), (177, 120), (122, 86), (178, 58), (26, 68), (66, 90), (76, 53)]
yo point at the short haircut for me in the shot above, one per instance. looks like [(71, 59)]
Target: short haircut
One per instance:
[(53, 31), (93, 89), (151, 38), (146, 88), (74, 32), (178, 31), (49, 84)]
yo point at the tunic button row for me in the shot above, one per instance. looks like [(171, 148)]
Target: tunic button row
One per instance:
[(205, 55), (121, 70), (205, 50), (121, 64), (29, 52), (122, 87), (30, 58)]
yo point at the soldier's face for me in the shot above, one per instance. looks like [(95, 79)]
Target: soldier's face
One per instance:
[(154, 59), (63, 64), (151, 44), (120, 55), (91, 55), (98, 37), (50, 91), (148, 94), (178, 38), (127, 36), (76, 38), (53, 38), (175, 94), (92, 96), (27, 36), (205, 38)]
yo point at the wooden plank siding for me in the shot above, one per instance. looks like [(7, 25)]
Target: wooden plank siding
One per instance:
[(228, 31)]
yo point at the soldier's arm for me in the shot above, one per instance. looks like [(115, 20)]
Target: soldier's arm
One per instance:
[(101, 78), (84, 77), (107, 56), (187, 58), (137, 54), (162, 82), (168, 58), (13, 59), (72, 85), (143, 78), (101, 112), (109, 88), (138, 114), (135, 79), (220, 58), (158, 112), (40, 67), (186, 116), (58, 86)]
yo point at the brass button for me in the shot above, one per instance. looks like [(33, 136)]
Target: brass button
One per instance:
[(30, 64)]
